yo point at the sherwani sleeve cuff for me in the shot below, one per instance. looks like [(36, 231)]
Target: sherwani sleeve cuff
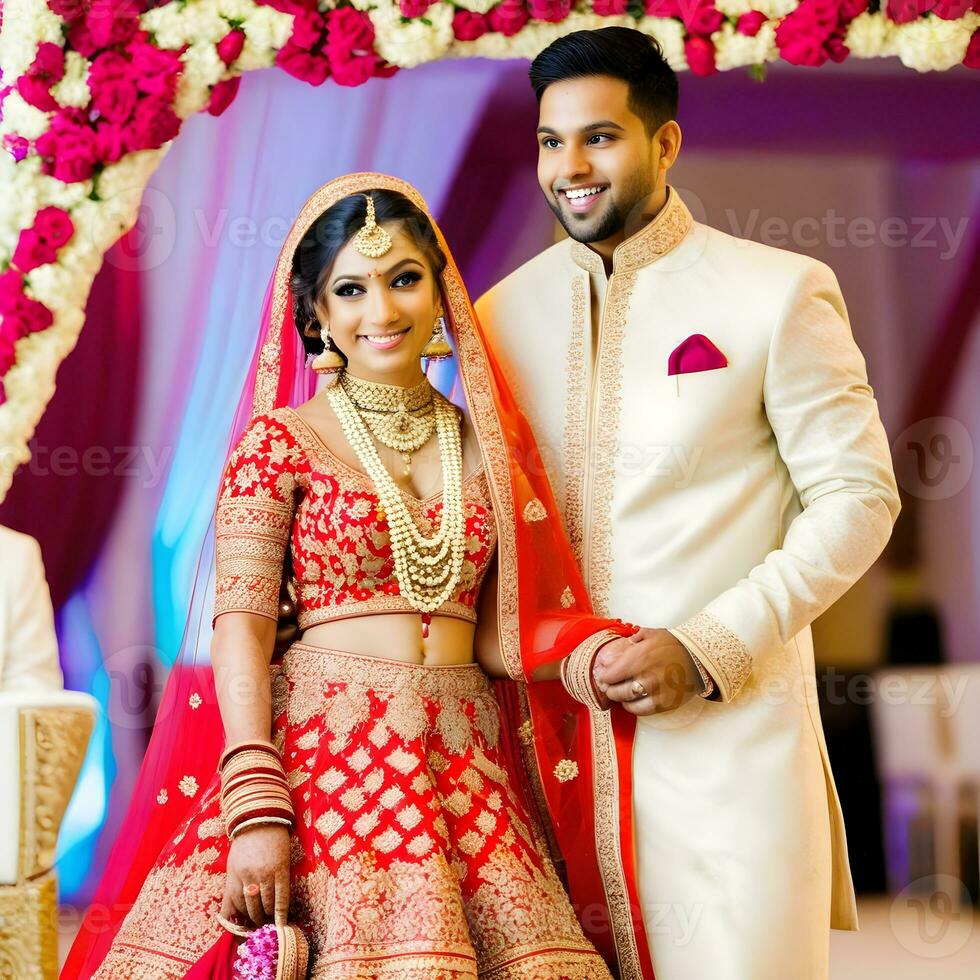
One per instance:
[(716, 651), (577, 667)]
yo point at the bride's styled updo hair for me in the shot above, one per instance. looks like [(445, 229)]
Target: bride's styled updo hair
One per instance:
[(337, 225)]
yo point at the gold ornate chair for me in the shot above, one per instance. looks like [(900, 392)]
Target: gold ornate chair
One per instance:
[(46, 734)]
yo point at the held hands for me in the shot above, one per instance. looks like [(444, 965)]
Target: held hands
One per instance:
[(648, 672), (257, 882)]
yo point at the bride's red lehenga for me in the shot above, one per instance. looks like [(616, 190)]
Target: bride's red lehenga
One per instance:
[(427, 799)]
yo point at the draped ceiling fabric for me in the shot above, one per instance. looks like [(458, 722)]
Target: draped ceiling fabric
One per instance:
[(828, 145)]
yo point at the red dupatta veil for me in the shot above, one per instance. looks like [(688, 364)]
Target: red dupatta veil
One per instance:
[(576, 764)]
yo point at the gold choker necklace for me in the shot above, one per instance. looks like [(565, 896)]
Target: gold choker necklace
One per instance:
[(402, 419)]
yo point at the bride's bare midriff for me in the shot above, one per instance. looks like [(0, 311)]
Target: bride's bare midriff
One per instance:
[(397, 636)]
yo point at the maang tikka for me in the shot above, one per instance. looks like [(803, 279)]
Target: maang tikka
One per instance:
[(372, 241)]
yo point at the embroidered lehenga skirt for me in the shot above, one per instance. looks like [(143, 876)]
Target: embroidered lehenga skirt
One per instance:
[(414, 855)]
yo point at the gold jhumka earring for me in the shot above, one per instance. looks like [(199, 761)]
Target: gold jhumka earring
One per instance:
[(438, 349), (329, 361)]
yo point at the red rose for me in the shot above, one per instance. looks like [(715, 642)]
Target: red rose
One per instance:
[(414, 8), (223, 94), (750, 23), (154, 123), (508, 18), (952, 9), (610, 8), (701, 17), (68, 10), (836, 48), (154, 69), (230, 46), (302, 65), (849, 9), (552, 11), (112, 22), (68, 149), (32, 250), (700, 53), (972, 58), (903, 11), (54, 225), (34, 91), (469, 25), (25, 315), (350, 69)]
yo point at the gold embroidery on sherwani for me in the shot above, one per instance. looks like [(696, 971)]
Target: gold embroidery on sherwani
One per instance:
[(576, 416), (722, 648)]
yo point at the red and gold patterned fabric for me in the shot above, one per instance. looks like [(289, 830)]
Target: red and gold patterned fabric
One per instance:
[(414, 856), (283, 487)]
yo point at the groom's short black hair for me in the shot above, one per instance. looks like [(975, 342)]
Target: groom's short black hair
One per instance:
[(619, 52)]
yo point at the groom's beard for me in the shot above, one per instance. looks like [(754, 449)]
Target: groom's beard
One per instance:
[(614, 219)]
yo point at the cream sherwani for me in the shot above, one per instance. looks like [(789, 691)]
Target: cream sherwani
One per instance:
[(733, 506)]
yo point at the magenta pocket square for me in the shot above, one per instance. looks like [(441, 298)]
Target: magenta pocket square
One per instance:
[(697, 353)]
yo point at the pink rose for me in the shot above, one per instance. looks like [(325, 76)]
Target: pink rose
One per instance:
[(508, 18), (34, 91), (230, 46), (701, 17), (469, 25), (112, 22), (223, 94), (302, 65), (110, 141), (68, 148), (11, 289), (54, 225), (750, 23), (700, 54), (154, 69), (351, 29), (48, 63), (551, 11), (154, 123), (665, 8), (414, 8), (16, 146), (836, 48), (32, 250), (309, 29), (114, 93), (26, 315), (610, 8), (350, 69)]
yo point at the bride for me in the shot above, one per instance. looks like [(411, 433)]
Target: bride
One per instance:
[(380, 552)]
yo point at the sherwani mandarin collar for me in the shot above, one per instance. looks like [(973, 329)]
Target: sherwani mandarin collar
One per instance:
[(655, 239)]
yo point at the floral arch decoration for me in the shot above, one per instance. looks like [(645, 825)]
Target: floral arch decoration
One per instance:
[(94, 91)]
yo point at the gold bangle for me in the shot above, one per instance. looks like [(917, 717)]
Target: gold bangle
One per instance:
[(576, 670)]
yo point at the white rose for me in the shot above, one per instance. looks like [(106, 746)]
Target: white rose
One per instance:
[(415, 42), (22, 118), (931, 43), (734, 50), (871, 36)]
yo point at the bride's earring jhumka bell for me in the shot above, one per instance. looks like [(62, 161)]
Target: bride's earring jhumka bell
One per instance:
[(329, 361), (438, 349)]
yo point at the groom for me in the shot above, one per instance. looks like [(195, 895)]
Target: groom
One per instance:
[(724, 476)]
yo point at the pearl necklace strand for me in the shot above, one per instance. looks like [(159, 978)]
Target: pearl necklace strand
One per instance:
[(428, 568)]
